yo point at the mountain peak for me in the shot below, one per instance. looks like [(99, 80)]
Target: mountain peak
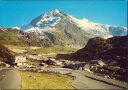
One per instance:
[(56, 18), (48, 19), (52, 13), (55, 11)]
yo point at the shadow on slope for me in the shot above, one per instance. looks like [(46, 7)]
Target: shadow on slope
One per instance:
[(6, 55), (112, 51)]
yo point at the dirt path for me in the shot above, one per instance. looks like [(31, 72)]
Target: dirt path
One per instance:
[(10, 79)]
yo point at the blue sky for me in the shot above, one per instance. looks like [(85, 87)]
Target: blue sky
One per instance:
[(18, 13)]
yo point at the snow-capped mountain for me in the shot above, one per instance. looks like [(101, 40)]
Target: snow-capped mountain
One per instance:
[(96, 29), (18, 28), (63, 29), (44, 21)]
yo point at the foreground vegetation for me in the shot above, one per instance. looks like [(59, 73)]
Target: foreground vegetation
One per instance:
[(33, 80)]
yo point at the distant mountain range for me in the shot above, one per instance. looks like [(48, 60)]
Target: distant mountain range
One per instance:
[(58, 28), (64, 29)]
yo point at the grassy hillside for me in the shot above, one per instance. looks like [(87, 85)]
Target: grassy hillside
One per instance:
[(53, 49), (20, 38), (9, 38)]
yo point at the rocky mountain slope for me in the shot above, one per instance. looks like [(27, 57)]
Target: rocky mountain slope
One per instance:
[(112, 52), (63, 29), (114, 48)]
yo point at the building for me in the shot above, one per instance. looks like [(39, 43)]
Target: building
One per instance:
[(20, 60)]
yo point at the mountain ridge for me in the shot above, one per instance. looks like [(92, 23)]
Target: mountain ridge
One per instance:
[(58, 28), (51, 18), (66, 30)]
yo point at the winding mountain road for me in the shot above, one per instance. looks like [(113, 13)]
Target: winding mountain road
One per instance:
[(11, 79), (83, 81)]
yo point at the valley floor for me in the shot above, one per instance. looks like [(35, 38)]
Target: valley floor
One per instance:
[(30, 73), (72, 79)]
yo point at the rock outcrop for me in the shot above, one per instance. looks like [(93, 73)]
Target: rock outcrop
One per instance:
[(112, 52)]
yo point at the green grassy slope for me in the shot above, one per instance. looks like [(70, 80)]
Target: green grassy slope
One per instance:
[(9, 38), (53, 49), (32, 80)]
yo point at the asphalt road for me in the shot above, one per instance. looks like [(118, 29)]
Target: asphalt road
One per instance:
[(9, 79)]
